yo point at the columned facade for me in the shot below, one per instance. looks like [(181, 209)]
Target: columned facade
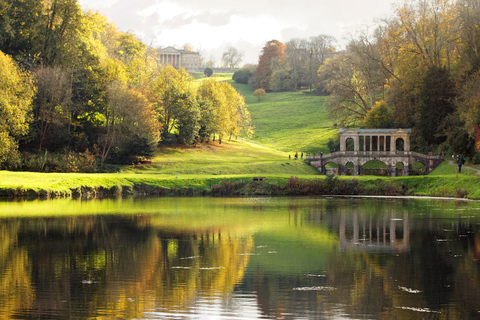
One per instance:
[(179, 58), (375, 139)]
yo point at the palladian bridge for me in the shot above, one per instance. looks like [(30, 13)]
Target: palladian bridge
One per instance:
[(390, 146)]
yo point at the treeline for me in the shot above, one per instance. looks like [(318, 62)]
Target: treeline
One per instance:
[(76, 93), (419, 68)]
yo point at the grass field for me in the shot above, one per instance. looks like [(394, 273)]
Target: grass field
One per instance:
[(289, 121)]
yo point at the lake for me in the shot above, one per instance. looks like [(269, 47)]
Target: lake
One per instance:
[(240, 258)]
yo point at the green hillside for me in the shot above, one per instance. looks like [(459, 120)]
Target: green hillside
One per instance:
[(286, 121)]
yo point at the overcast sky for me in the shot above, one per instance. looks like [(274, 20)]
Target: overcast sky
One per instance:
[(211, 26)]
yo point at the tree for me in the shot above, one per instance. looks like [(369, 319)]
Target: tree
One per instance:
[(16, 96), (20, 32), (176, 104), (282, 81), (231, 58), (271, 59), (259, 93), (435, 104), (129, 121), (468, 102), (379, 116), (51, 105), (349, 102)]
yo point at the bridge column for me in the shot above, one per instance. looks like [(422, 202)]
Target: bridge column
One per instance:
[(356, 169), (407, 169), (392, 170), (342, 170)]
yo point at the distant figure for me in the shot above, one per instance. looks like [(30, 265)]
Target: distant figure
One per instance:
[(296, 155), (289, 157), (459, 164), (314, 154), (301, 156)]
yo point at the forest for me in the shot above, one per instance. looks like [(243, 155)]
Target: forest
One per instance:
[(77, 94), (418, 68)]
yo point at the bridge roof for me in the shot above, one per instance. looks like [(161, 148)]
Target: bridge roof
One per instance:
[(375, 130)]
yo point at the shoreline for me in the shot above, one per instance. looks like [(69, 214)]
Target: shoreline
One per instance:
[(91, 186)]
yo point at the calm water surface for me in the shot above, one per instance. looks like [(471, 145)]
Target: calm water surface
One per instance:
[(240, 258)]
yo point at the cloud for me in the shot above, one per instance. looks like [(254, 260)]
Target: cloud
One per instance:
[(212, 24)]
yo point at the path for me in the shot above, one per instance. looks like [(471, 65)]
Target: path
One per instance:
[(453, 163)]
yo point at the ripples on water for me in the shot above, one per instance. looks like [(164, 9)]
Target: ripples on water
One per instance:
[(252, 258)]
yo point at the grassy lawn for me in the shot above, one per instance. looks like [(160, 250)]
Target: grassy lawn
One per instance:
[(230, 157), (290, 121)]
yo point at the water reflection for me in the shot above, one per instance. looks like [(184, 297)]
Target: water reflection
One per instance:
[(241, 258)]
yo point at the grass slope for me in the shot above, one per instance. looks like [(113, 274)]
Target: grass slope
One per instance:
[(289, 121)]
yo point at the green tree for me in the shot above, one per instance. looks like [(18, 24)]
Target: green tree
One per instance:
[(16, 95), (435, 104)]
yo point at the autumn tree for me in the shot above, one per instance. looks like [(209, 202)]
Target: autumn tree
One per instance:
[(232, 58), (349, 101), (16, 95), (259, 93), (129, 121), (271, 59), (51, 105), (378, 117), (176, 104)]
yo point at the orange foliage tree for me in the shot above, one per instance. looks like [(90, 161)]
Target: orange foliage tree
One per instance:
[(271, 59)]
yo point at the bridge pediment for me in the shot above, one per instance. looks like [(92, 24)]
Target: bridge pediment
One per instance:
[(400, 131)]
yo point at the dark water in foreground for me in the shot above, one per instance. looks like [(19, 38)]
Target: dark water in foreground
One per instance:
[(240, 258)]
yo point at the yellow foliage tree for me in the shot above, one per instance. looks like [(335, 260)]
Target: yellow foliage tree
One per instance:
[(16, 96)]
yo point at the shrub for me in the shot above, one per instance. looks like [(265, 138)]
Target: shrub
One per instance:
[(259, 93), (133, 151), (208, 72), (242, 76)]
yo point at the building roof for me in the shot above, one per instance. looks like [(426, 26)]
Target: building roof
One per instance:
[(375, 130)]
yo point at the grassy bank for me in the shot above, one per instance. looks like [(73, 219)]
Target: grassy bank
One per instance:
[(34, 185)]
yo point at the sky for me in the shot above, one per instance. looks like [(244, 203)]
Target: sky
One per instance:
[(211, 26)]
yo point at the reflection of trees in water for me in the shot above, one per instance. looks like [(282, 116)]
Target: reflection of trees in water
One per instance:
[(389, 265), (111, 266), (16, 290)]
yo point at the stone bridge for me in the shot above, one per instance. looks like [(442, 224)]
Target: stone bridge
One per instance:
[(390, 146), (359, 158)]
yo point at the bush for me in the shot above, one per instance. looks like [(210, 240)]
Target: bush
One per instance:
[(242, 76), (133, 151), (208, 72)]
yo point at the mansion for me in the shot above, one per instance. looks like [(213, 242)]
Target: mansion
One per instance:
[(179, 58)]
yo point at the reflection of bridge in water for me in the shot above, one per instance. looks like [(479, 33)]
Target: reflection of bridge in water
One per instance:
[(390, 146), (387, 234)]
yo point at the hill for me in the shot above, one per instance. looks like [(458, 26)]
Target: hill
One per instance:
[(289, 121)]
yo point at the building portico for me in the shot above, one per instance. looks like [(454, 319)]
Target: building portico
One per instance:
[(375, 139)]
